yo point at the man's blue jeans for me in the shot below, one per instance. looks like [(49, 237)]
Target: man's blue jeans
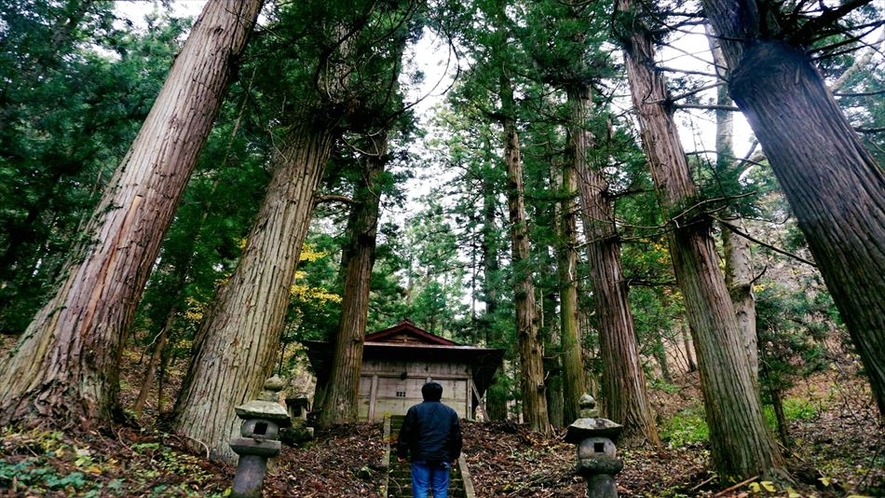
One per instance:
[(426, 477)]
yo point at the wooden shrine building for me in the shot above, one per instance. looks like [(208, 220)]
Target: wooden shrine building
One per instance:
[(399, 360)]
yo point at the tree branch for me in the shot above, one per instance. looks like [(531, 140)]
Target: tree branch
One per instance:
[(859, 94), (324, 199), (711, 107), (695, 91), (827, 18), (734, 229)]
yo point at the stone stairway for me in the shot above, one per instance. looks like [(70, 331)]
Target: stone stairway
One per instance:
[(399, 476)]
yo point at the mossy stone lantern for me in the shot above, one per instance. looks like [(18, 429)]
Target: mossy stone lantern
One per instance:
[(597, 454), (262, 420)]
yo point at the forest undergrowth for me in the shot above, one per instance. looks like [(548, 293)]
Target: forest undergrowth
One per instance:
[(835, 450)]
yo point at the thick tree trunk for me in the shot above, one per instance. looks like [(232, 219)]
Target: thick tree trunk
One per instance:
[(66, 366), (531, 354), (624, 396), (739, 281), (553, 374), (738, 264), (340, 400), (833, 184), (237, 342), (742, 445), (570, 338)]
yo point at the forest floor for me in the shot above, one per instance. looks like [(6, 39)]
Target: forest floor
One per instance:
[(836, 449)]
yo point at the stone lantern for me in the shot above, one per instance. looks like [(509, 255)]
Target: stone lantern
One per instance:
[(597, 454), (262, 420)]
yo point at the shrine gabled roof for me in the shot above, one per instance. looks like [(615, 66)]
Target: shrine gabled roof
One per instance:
[(405, 341), (406, 332)]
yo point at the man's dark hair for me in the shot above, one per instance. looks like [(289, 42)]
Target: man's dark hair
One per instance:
[(431, 391)]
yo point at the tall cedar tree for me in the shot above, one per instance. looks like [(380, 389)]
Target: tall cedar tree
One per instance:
[(340, 401), (736, 249), (66, 365), (534, 402), (234, 348), (340, 396), (570, 336), (238, 340), (833, 184), (529, 344), (742, 444), (572, 62), (624, 392)]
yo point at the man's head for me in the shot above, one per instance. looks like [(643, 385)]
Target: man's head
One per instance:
[(431, 391)]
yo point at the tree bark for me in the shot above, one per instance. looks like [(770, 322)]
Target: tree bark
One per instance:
[(570, 338), (235, 347), (833, 184), (742, 445), (340, 400), (531, 354), (739, 281), (738, 263), (624, 397), (66, 366)]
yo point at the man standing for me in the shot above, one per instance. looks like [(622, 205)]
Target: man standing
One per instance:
[(431, 434)]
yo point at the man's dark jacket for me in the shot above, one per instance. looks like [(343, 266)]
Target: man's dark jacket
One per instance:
[(430, 433)]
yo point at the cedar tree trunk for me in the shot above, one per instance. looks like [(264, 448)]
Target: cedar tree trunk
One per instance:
[(340, 402), (234, 349), (742, 444), (570, 337), (66, 365), (833, 184), (531, 354), (624, 395)]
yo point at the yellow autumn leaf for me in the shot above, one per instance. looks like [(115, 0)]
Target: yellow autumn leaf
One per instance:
[(308, 253), (769, 486), (307, 293), (194, 311)]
